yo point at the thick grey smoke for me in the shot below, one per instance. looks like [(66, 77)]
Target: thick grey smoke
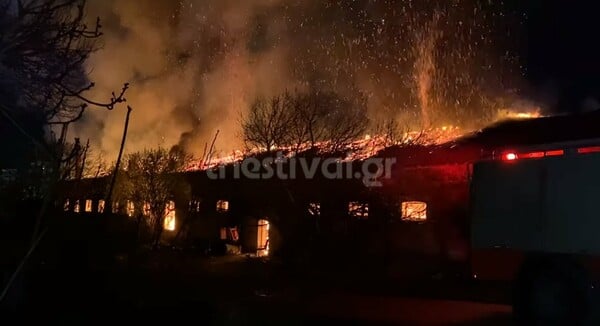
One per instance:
[(189, 67), (195, 65)]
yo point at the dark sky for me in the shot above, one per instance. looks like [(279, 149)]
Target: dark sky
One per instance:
[(561, 51)]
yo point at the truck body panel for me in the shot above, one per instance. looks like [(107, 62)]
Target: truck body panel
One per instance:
[(543, 205)]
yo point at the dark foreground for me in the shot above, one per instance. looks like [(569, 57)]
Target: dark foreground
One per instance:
[(171, 287)]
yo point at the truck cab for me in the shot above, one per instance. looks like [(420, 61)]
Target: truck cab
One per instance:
[(535, 221)]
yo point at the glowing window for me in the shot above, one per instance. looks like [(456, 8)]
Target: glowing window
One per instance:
[(115, 207), (146, 209), (130, 208), (358, 210), (234, 234), (414, 211), (262, 238), (231, 234), (66, 206), (314, 209), (101, 204), (88, 205), (76, 207), (222, 206), (169, 223)]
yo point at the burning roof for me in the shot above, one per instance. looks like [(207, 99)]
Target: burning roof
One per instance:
[(446, 145), (543, 130), (501, 135), (361, 149)]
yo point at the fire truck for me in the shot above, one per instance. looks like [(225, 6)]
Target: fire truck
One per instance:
[(535, 221)]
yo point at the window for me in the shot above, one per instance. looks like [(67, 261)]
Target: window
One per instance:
[(130, 208), (169, 223), (195, 205), (146, 209), (234, 234), (358, 210), (222, 206), (231, 234), (414, 211), (314, 209), (262, 238), (88, 205), (101, 204), (66, 205), (76, 207), (115, 207)]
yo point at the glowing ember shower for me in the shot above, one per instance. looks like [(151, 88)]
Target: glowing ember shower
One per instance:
[(424, 67)]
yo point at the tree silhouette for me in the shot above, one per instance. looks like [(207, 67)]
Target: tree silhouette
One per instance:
[(150, 180)]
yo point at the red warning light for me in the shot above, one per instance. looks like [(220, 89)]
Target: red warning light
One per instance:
[(510, 156), (532, 155), (557, 152), (587, 150)]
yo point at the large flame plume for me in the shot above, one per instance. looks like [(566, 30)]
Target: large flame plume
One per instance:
[(195, 65)]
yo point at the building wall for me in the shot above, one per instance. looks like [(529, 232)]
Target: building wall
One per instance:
[(444, 188)]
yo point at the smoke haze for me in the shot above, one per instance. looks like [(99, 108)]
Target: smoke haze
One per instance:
[(195, 65)]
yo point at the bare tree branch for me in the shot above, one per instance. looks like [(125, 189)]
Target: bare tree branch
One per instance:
[(150, 180)]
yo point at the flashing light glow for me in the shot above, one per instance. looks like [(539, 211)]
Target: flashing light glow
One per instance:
[(586, 150), (532, 155), (557, 152), (510, 156)]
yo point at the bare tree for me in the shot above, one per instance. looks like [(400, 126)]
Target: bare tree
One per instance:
[(327, 118), (320, 119), (345, 121), (96, 165), (150, 181), (267, 124), (309, 111), (43, 83), (391, 132), (44, 87), (43, 47)]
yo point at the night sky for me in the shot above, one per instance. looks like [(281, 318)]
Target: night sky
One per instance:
[(562, 53)]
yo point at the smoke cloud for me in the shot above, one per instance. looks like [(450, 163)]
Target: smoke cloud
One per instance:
[(194, 66)]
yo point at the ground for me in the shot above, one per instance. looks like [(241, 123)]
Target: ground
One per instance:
[(170, 286)]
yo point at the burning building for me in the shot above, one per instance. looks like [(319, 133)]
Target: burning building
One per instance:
[(421, 208)]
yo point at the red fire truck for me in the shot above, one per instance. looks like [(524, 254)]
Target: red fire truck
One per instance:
[(535, 220)]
